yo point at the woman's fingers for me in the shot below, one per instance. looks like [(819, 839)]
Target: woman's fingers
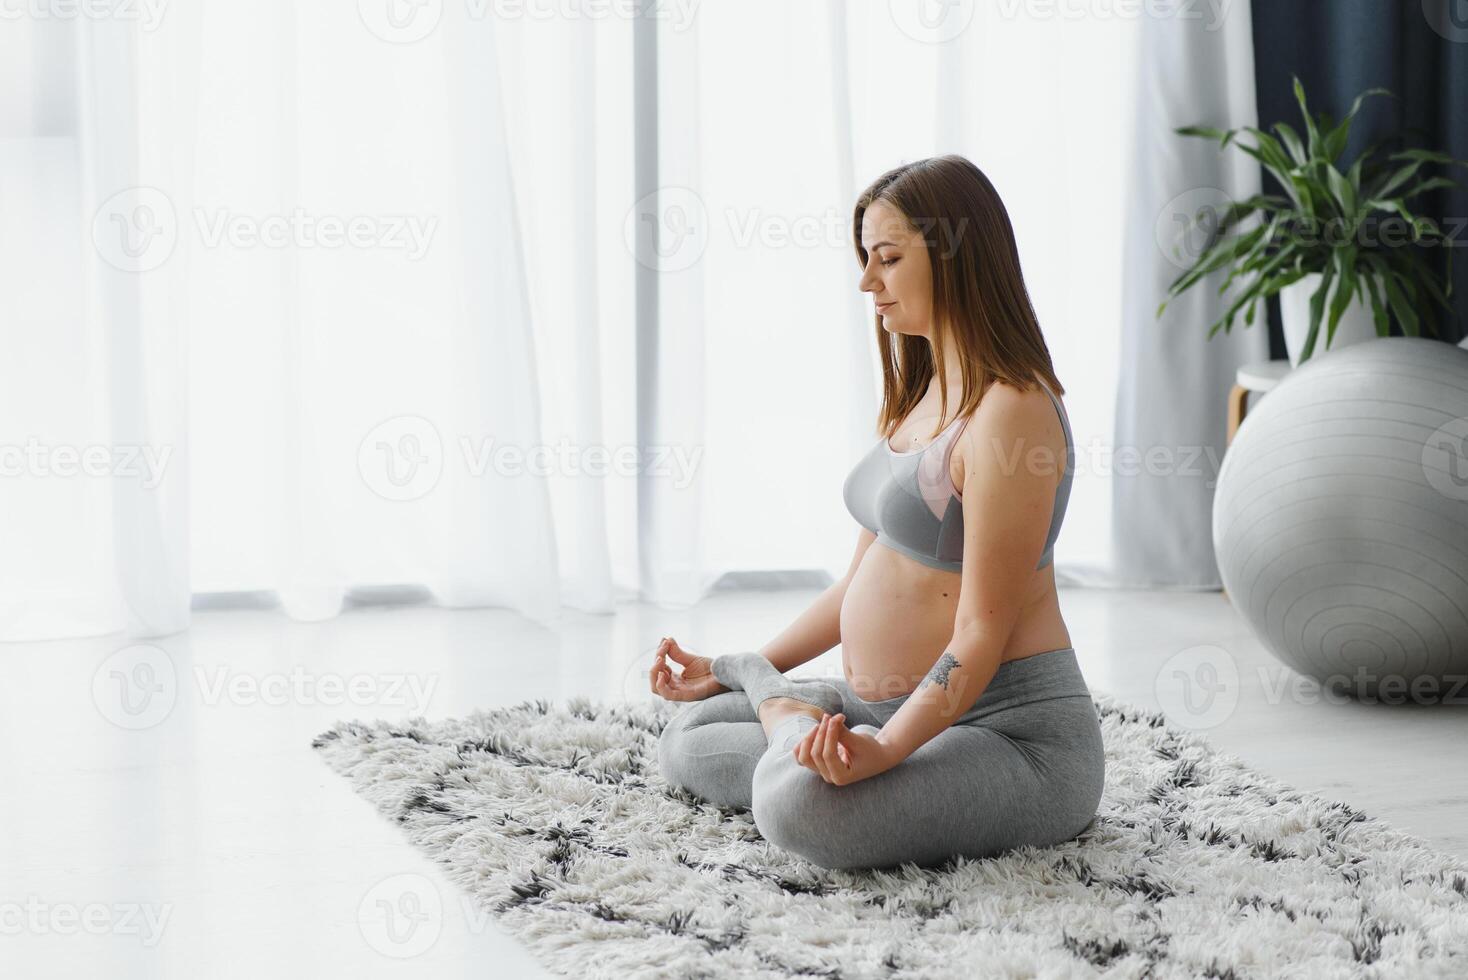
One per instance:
[(665, 682), (828, 746), (839, 758), (821, 748), (818, 750), (803, 753), (656, 672), (833, 738)]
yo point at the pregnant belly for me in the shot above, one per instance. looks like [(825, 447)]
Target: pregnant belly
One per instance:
[(896, 620)]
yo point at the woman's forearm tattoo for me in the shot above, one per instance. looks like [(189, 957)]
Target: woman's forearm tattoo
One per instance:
[(940, 671)]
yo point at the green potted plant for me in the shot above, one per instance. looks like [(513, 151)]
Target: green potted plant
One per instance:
[(1343, 248)]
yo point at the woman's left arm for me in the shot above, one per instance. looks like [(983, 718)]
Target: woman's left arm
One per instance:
[(1010, 478)]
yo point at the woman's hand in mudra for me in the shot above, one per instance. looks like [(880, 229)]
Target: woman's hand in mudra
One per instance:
[(842, 756), (695, 683)]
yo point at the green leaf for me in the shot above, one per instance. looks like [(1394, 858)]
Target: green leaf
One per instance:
[(1317, 148), (1378, 312), (1250, 292), (1412, 268), (1317, 305), (1271, 149), (1401, 307), (1335, 142), (1396, 206), (1345, 290), (1428, 156), (1288, 251), (1342, 192), (1291, 140), (1269, 241), (1208, 132), (1354, 175), (1396, 180), (1285, 177), (1250, 260), (1212, 259), (1428, 185)]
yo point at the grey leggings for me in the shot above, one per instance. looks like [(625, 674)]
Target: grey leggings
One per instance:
[(1024, 765)]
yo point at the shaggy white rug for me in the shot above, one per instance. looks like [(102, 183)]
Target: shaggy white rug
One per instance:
[(557, 820)]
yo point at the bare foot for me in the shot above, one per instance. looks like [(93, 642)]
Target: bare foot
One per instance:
[(772, 711)]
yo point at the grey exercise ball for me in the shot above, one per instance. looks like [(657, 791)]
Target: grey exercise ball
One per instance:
[(1340, 520)]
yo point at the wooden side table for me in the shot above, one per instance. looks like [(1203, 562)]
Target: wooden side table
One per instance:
[(1260, 376)]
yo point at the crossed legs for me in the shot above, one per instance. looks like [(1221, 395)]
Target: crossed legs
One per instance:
[(1030, 774), (711, 747)]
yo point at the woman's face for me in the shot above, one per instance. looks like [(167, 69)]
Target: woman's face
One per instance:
[(897, 274)]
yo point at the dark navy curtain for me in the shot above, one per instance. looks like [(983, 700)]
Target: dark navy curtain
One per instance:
[(1416, 48)]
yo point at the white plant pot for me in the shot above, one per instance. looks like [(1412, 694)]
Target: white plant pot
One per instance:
[(1356, 323)]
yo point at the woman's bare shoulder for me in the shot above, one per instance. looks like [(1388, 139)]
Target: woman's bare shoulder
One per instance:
[(1009, 424)]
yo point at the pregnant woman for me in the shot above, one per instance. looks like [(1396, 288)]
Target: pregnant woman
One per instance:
[(963, 725)]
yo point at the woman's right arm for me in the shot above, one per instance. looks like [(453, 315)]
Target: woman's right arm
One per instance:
[(818, 629)]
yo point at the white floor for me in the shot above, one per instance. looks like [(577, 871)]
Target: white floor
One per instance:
[(195, 833)]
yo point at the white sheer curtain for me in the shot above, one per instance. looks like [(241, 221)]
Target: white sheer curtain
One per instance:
[(306, 293), (777, 145), (290, 277), (1175, 379)]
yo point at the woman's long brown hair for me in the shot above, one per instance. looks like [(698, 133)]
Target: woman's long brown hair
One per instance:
[(979, 294)]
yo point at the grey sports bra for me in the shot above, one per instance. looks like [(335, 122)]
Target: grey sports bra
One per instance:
[(908, 499)]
